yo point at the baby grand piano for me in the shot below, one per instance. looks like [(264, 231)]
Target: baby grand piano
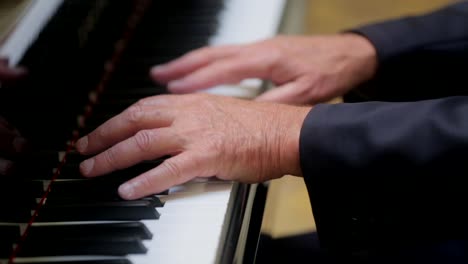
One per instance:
[(88, 60)]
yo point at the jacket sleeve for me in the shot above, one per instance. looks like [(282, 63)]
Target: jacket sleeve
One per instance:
[(420, 57), (444, 30), (380, 172)]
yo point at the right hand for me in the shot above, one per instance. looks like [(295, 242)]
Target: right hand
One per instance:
[(206, 135), (307, 69)]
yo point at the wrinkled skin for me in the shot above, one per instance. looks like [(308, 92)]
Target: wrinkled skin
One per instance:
[(306, 69), (206, 136)]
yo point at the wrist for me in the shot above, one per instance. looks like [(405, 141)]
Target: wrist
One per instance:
[(362, 56), (289, 157)]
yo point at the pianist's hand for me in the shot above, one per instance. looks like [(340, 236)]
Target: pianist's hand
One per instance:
[(206, 135), (306, 69)]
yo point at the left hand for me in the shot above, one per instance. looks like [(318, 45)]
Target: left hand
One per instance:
[(306, 69), (206, 136)]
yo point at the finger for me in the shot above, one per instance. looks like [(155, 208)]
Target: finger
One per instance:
[(290, 93), (145, 145), (229, 70), (191, 62), (174, 171), (123, 126)]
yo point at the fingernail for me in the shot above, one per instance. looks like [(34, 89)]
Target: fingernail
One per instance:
[(82, 144), (157, 69), (19, 144), (126, 191), (86, 166)]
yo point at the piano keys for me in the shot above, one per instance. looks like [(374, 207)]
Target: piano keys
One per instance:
[(87, 61)]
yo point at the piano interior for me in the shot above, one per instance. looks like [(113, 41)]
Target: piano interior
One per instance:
[(89, 62)]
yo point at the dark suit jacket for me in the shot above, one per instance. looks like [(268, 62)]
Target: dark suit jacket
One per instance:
[(386, 178)]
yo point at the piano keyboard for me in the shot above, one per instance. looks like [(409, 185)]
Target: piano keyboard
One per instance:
[(89, 60)]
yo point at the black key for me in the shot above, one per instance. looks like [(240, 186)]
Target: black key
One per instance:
[(98, 261), (69, 246), (72, 170), (115, 106), (135, 93), (37, 165), (118, 211), (11, 233), (49, 157), (95, 187), (15, 215), (8, 236), (24, 201), (6, 248), (126, 83), (12, 188), (18, 199), (153, 200), (74, 157), (89, 231)]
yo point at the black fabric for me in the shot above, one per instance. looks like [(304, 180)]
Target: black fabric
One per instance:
[(386, 178), (382, 172), (420, 57)]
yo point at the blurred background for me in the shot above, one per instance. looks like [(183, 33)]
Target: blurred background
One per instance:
[(288, 210)]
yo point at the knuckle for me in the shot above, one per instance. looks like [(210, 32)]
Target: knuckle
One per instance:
[(172, 169), (99, 134), (275, 54), (135, 113), (110, 158), (143, 140), (146, 181)]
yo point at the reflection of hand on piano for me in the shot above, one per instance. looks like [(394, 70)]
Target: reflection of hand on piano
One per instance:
[(207, 135), (11, 144), (11, 141), (9, 74), (307, 69)]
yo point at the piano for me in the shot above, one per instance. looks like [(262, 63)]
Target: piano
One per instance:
[(88, 60)]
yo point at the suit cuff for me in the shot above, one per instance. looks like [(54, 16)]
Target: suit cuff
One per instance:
[(390, 39)]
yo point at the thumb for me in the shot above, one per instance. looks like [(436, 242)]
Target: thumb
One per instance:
[(289, 93)]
